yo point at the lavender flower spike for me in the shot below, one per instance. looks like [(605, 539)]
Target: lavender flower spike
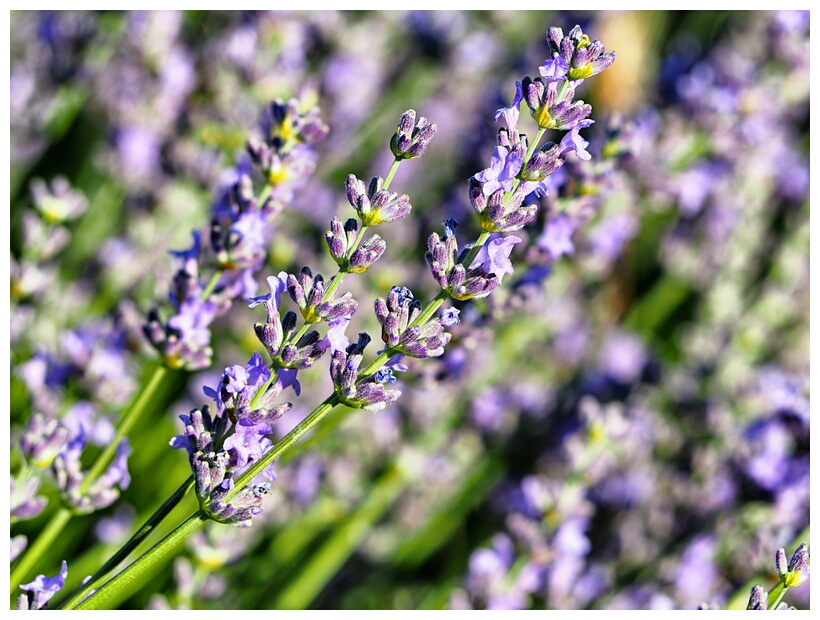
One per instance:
[(583, 57)]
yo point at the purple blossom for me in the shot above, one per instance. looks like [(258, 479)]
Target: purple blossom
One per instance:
[(494, 257), (278, 285), (336, 338), (287, 378), (504, 166), (244, 445), (554, 68), (450, 317), (572, 141), (42, 589), (511, 112), (193, 322)]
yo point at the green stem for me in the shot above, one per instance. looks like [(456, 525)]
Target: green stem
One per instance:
[(41, 545), (530, 150), (209, 288), (391, 173), (283, 444), (145, 561), (136, 411), (779, 592), (140, 535)]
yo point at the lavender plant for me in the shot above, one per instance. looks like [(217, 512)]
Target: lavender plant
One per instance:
[(546, 458)]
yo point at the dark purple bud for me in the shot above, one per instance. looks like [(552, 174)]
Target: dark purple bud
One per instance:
[(476, 192), (759, 599), (270, 335), (407, 122), (296, 292), (380, 307), (373, 188), (288, 323)]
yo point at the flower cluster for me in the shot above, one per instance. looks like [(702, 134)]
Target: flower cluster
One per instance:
[(241, 228), (222, 445)]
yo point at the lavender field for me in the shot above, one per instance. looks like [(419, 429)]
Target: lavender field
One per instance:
[(409, 310)]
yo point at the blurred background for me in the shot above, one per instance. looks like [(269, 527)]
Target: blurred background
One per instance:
[(623, 424)]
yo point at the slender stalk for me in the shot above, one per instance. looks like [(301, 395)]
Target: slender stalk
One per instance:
[(144, 562), (140, 535), (134, 413), (779, 592), (209, 288), (391, 173), (41, 545), (283, 444)]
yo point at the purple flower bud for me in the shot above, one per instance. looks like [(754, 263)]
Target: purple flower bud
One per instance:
[(758, 599)]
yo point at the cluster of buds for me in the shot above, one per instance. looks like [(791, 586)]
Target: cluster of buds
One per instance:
[(276, 334), (222, 445), (396, 315), (285, 154), (366, 393), (495, 214), (583, 58), (341, 240), (446, 265), (551, 104), (574, 58), (285, 123), (412, 136), (375, 205), (71, 478), (308, 292), (241, 509), (797, 570)]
